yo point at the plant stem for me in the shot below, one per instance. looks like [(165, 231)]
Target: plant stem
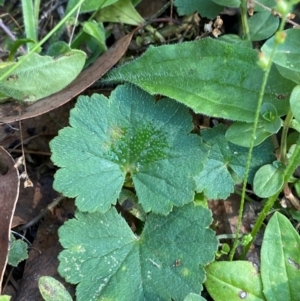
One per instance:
[(253, 138), (38, 45), (293, 163), (283, 144), (246, 33)]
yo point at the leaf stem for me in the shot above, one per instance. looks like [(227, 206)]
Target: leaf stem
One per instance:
[(283, 144), (246, 33), (253, 138), (293, 163)]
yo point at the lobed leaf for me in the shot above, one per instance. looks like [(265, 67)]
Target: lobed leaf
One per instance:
[(107, 261), (225, 165), (128, 137), (212, 77)]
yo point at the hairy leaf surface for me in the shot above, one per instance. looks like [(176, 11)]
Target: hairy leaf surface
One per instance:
[(212, 77), (108, 262), (128, 138)]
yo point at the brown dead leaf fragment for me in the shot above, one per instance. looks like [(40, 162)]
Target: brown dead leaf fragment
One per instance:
[(9, 192), (11, 112), (42, 260)]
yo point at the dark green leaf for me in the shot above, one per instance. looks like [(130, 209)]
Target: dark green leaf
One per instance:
[(128, 136), (18, 251), (212, 77), (287, 54), (109, 262), (262, 25), (240, 132), (229, 3), (226, 163), (295, 102), (206, 8)]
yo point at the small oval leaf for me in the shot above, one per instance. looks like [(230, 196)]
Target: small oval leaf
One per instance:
[(52, 290)]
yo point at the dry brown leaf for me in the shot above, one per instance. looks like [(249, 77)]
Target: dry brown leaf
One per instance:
[(9, 192), (11, 112)]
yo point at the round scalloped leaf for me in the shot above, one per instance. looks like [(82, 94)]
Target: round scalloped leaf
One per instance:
[(109, 262), (128, 136)]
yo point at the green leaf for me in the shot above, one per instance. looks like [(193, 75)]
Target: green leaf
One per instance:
[(194, 297), (212, 77), (53, 290), (90, 5), (97, 31), (267, 3), (226, 163), (109, 262), (58, 48), (128, 135), (5, 298), (120, 12), (234, 281), (295, 102), (286, 55), (280, 260), (268, 180), (262, 25), (206, 8), (235, 40), (229, 3), (240, 132), (18, 251), (40, 76)]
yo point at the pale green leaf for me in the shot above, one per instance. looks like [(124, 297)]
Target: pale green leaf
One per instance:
[(109, 262), (206, 8), (52, 290), (280, 260), (5, 298), (295, 102), (212, 77), (286, 55), (18, 251), (90, 5), (40, 76), (262, 25), (120, 12), (234, 281), (268, 180), (226, 163), (128, 135)]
